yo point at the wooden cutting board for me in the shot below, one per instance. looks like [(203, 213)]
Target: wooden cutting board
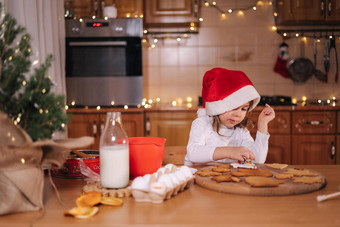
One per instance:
[(287, 188)]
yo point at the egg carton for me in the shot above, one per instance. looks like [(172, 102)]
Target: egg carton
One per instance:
[(168, 181)]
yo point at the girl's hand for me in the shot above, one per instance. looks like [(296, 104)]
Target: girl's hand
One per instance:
[(235, 153), (265, 117)]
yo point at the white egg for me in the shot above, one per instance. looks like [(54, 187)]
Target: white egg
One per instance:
[(180, 175), (166, 180), (140, 183), (174, 178), (147, 177), (158, 187), (186, 171), (169, 166)]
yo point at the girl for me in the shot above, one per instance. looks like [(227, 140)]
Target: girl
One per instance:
[(219, 133)]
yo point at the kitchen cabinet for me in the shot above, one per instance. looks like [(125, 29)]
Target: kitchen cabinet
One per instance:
[(314, 137), (174, 126), (280, 141), (308, 12), (92, 124), (165, 13), (89, 8)]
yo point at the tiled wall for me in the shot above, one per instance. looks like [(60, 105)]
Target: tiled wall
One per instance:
[(248, 43)]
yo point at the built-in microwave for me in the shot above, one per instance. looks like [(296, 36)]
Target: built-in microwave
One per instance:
[(104, 62)]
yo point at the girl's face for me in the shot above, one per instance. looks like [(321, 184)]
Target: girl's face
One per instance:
[(235, 116)]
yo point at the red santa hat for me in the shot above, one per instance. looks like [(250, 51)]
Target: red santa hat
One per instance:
[(225, 90)]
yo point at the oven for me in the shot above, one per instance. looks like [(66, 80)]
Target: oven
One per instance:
[(104, 62)]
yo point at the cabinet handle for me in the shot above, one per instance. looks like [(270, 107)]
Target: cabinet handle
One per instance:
[(329, 7), (102, 126), (196, 9), (332, 150), (94, 128), (322, 7), (313, 122), (147, 126)]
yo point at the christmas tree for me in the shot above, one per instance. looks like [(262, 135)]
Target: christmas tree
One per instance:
[(27, 101)]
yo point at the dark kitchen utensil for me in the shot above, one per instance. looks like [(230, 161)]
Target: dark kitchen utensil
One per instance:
[(326, 56), (333, 46), (317, 73), (301, 69)]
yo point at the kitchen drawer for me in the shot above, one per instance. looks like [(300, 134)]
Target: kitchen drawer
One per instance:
[(314, 122), (280, 124)]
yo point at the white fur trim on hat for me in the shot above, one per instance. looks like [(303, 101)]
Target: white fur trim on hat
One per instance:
[(234, 100)]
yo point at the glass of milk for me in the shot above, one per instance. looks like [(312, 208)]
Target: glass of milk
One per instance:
[(114, 153)]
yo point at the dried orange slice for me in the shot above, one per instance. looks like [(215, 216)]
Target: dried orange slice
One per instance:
[(113, 201), (82, 212), (89, 199)]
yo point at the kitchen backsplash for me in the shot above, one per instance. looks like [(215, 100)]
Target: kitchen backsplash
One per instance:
[(174, 70)]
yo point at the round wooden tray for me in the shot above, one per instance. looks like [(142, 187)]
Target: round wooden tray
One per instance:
[(242, 188)]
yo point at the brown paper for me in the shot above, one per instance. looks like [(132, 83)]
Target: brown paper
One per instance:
[(21, 161)]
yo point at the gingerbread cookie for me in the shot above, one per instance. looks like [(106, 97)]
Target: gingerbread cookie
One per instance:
[(256, 181), (252, 172)]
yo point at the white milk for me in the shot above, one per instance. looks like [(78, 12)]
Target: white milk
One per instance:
[(114, 166)]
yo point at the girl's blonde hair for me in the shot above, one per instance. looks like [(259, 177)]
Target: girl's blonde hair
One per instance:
[(245, 123)]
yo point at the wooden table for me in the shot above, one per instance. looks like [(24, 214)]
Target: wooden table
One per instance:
[(194, 207)]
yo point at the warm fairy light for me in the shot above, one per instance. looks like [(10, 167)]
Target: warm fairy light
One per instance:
[(297, 35), (304, 39), (73, 103), (254, 7), (146, 105), (128, 15), (145, 31), (284, 34), (189, 105), (112, 103), (106, 18), (150, 101), (304, 98), (141, 16), (230, 10), (174, 103), (144, 41), (213, 3), (319, 101), (333, 104), (139, 106), (294, 100), (46, 111), (98, 107), (274, 28), (24, 82), (178, 39), (189, 99), (41, 111), (43, 91), (206, 4), (93, 17), (22, 160), (275, 14), (66, 107), (153, 46), (155, 40), (62, 125), (333, 98), (328, 101), (158, 99), (81, 20), (240, 13), (200, 19), (223, 15), (10, 58), (126, 107)]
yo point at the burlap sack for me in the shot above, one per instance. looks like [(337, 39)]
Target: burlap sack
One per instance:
[(21, 161)]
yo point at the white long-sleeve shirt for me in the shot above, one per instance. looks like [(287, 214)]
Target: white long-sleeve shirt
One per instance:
[(203, 141)]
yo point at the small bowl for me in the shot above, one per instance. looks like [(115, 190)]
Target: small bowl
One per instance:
[(146, 155), (70, 169)]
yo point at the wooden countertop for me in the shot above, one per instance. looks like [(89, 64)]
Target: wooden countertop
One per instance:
[(195, 206)]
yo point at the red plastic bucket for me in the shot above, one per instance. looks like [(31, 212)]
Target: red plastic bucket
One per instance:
[(146, 155)]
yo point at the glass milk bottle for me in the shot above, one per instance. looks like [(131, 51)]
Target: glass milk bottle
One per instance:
[(114, 153)]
